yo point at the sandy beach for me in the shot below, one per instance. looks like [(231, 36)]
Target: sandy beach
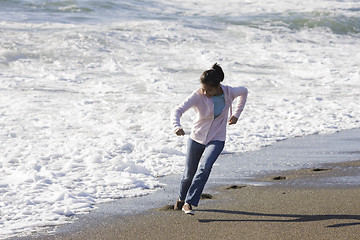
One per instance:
[(317, 202), (281, 210)]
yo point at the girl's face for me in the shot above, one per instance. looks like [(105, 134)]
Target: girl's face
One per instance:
[(208, 90)]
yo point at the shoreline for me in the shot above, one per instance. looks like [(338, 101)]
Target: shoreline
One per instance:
[(119, 217), (278, 211)]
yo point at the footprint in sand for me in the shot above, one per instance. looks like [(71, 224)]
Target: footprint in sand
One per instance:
[(279, 178), (320, 169), (235, 187)]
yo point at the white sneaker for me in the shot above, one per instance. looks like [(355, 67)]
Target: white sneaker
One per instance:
[(187, 209)]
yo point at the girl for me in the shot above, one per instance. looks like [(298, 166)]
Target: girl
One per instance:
[(211, 103)]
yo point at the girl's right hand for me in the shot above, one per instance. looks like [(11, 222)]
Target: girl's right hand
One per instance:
[(179, 132)]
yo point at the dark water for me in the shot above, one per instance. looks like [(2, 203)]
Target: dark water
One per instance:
[(336, 19)]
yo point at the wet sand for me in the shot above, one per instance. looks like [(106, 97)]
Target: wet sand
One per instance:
[(321, 202), (286, 209)]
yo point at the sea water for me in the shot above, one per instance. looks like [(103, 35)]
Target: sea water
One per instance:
[(87, 86)]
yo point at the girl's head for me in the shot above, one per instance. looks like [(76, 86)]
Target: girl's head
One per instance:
[(212, 77), (210, 80)]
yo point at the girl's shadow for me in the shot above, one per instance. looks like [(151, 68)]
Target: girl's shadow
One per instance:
[(293, 218)]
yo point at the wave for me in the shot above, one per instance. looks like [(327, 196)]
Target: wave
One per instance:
[(339, 20), (338, 24)]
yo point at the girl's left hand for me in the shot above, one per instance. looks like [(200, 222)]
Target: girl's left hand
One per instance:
[(233, 120)]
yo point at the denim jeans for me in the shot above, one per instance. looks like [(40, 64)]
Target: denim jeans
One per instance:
[(191, 188)]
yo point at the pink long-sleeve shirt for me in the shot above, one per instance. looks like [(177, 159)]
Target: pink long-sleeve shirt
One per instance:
[(206, 128)]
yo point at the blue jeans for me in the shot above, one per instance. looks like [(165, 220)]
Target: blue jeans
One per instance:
[(190, 190)]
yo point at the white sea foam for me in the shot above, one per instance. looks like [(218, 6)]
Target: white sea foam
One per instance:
[(84, 113)]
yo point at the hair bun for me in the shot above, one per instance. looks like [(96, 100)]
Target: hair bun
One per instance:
[(216, 67)]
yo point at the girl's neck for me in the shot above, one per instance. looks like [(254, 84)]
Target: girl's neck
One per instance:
[(219, 91)]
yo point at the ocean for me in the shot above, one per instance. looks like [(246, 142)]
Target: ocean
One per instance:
[(86, 89)]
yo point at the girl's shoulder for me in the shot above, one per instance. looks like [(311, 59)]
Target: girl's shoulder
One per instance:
[(234, 91), (227, 88), (195, 95), (231, 88)]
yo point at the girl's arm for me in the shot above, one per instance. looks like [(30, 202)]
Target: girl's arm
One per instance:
[(179, 111), (241, 92)]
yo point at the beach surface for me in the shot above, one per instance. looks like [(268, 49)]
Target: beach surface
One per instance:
[(315, 202), (245, 212)]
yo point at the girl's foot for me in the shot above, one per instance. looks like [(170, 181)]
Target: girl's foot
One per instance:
[(179, 204), (188, 209)]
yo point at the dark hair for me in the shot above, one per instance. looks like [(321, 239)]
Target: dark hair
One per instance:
[(213, 77)]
